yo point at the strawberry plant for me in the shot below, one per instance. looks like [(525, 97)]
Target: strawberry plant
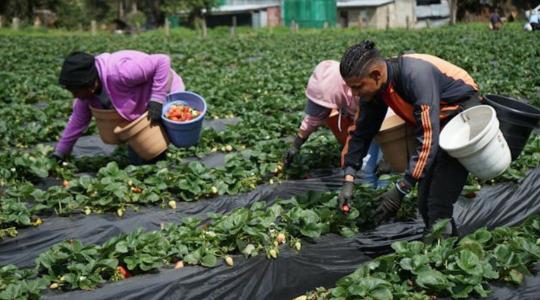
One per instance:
[(26, 165), (446, 268), (269, 105), (18, 283), (414, 271), (268, 101), (74, 265), (250, 231), (139, 251)]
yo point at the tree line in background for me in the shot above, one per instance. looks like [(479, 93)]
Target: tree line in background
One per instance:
[(76, 13), (511, 9), (152, 13)]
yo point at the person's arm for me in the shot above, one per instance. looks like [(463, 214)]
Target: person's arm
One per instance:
[(425, 90), (368, 121), (143, 68), (314, 118), (77, 124)]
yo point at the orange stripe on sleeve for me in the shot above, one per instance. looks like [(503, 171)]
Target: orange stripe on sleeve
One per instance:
[(423, 151), (426, 145)]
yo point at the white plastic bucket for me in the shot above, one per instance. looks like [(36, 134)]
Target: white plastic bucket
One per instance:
[(474, 138)]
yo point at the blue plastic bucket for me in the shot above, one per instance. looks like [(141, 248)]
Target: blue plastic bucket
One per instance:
[(184, 134)]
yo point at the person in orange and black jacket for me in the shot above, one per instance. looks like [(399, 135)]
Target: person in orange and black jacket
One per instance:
[(425, 91)]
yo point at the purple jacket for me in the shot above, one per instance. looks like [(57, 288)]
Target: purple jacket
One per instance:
[(130, 79)]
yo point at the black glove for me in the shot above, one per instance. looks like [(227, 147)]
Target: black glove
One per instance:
[(57, 157), (291, 153), (345, 197), (390, 201), (154, 111)]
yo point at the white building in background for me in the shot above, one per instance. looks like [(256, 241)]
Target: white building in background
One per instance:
[(381, 14), (257, 13), (378, 14), (432, 13)]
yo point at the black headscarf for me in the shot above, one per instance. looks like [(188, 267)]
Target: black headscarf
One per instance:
[(78, 71)]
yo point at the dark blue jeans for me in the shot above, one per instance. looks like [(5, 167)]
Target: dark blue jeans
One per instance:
[(369, 167)]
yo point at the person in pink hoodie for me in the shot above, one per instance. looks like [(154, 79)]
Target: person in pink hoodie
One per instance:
[(131, 82), (331, 103)]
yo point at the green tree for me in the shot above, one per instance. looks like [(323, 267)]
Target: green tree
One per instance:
[(196, 10), (71, 13), (23, 9)]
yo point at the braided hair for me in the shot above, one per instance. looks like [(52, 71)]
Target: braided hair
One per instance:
[(357, 58)]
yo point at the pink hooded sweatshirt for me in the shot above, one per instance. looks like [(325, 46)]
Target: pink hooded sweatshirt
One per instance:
[(130, 79), (326, 88)]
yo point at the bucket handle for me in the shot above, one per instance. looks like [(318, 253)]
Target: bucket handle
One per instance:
[(339, 121), (169, 81), (465, 118)]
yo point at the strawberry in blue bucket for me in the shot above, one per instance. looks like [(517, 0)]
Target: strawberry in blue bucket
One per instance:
[(182, 113)]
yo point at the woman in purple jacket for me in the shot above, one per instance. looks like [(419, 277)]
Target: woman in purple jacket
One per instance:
[(131, 82)]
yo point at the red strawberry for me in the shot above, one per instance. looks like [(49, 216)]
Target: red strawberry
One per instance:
[(123, 272)]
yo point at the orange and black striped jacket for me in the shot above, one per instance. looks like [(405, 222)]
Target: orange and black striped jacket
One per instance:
[(421, 89)]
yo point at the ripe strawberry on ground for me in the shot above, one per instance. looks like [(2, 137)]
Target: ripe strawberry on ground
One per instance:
[(179, 265), (280, 238), (123, 272)]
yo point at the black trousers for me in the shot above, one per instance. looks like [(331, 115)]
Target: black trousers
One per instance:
[(440, 188)]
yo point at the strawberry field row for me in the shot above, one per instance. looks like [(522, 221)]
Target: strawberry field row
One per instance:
[(116, 189), (260, 77), (250, 231), (448, 268)]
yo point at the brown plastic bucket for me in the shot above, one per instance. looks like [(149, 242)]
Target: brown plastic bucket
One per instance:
[(147, 140), (397, 141), (106, 122)]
